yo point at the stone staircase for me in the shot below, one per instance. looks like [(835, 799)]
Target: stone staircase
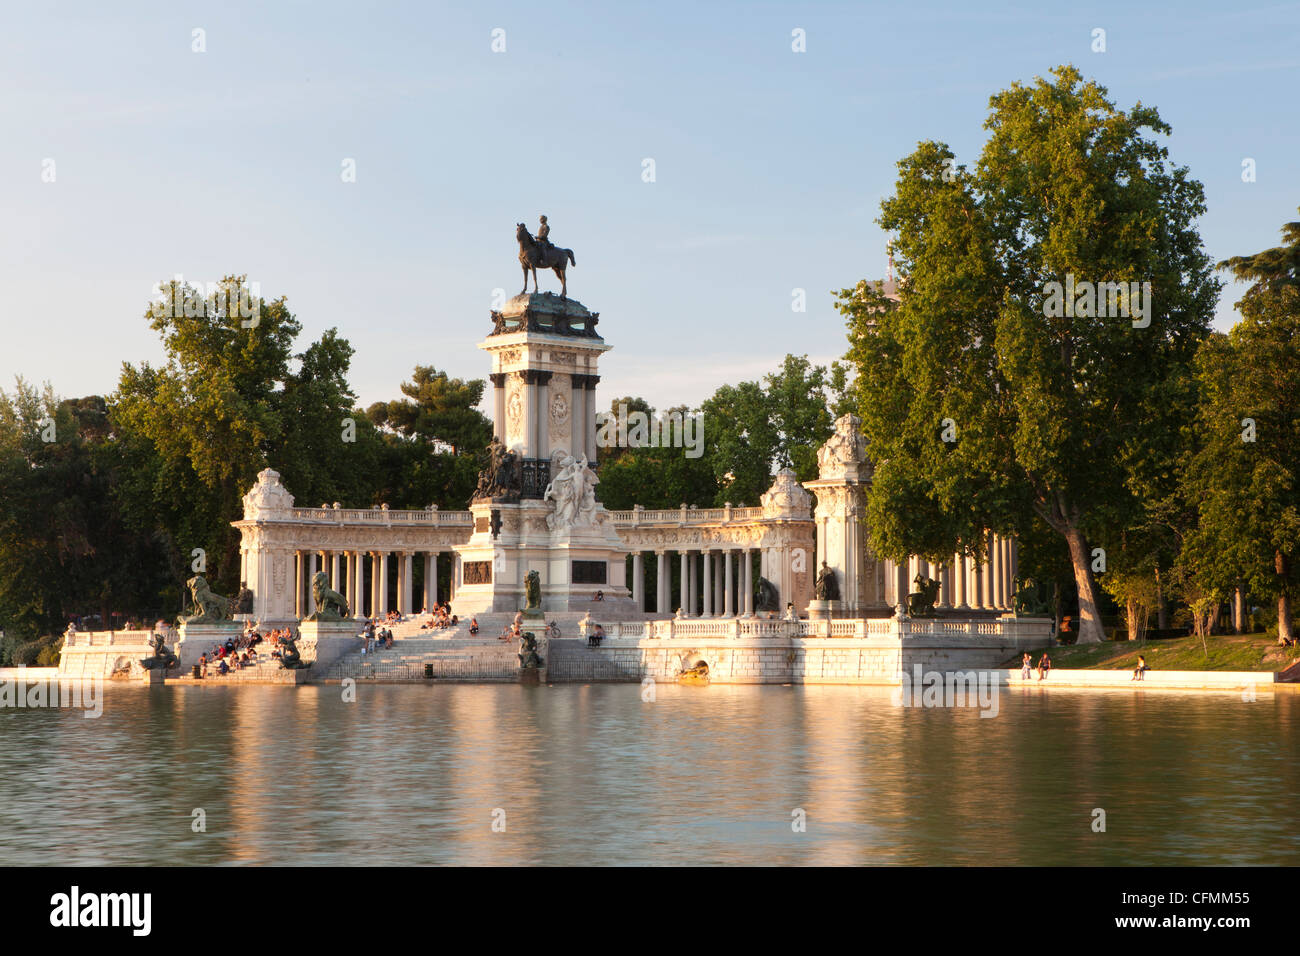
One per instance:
[(453, 652)]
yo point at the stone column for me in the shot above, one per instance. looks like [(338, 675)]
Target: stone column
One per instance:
[(297, 581), (984, 573), (589, 419), (543, 415), (577, 406), (728, 586), (408, 582), (945, 583), (374, 584), (1015, 565), (430, 579), (529, 449), (336, 571), (959, 581), (498, 405), (661, 582), (383, 582), (707, 585), (996, 570), (747, 582), (638, 581), (345, 585), (901, 581)]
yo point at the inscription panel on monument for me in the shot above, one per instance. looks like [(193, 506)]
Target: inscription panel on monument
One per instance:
[(477, 572), (590, 572)]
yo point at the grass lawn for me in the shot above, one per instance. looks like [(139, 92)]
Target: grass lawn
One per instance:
[(1227, 652)]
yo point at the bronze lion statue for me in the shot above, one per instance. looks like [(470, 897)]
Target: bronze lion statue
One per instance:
[(330, 605), (209, 608)]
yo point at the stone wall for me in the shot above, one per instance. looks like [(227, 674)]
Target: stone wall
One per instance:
[(791, 659)]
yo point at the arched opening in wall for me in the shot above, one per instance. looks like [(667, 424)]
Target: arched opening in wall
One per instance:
[(694, 669)]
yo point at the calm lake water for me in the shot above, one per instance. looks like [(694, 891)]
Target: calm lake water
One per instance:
[(702, 775)]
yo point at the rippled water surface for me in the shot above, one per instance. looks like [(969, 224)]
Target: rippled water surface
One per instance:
[(701, 775)]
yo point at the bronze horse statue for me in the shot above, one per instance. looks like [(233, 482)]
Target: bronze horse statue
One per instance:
[(533, 255)]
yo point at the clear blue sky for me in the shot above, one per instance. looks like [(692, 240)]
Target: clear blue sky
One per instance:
[(770, 164)]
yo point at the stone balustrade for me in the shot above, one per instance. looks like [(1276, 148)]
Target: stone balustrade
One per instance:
[(1007, 629)]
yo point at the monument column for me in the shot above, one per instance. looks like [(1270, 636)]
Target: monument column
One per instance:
[(959, 581), (408, 582), (359, 582), (661, 582), (638, 581), (498, 405), (995, 569), (336, 579), (383, 582), (589, 418), (297, 580), (747, 582), (528, 447), (430, 579), (900, 584), (945, 583), (728, 601), (1015, 564), (578, 403), (706, 589)]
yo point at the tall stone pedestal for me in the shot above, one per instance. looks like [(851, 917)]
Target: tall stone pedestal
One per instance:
[(573, 563), (197, 639), (844, 477), (544, 352), (324, 642)]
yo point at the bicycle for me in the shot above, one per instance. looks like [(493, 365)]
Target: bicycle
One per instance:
[(553, 631)]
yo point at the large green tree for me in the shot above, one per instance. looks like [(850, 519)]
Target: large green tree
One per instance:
[(752, 428), (1245, 476), (983, 405), (232, 398)]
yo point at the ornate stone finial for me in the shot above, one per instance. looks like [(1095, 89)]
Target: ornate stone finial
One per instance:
[(845, 453), (786, 498), (267, 498)]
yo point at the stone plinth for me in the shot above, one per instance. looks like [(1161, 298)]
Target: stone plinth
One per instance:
[(573, 563), (197, 639), (824, 610), (324, 642)]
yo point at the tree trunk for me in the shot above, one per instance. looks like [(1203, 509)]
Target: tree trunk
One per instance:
[(1239, 611), (1089, 620), (1162, 612), (1284, 632)]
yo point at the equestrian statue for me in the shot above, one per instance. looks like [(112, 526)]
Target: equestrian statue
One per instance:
[(539, 253)]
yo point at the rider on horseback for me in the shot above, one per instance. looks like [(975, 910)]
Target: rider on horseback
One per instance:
[(543, 231)]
